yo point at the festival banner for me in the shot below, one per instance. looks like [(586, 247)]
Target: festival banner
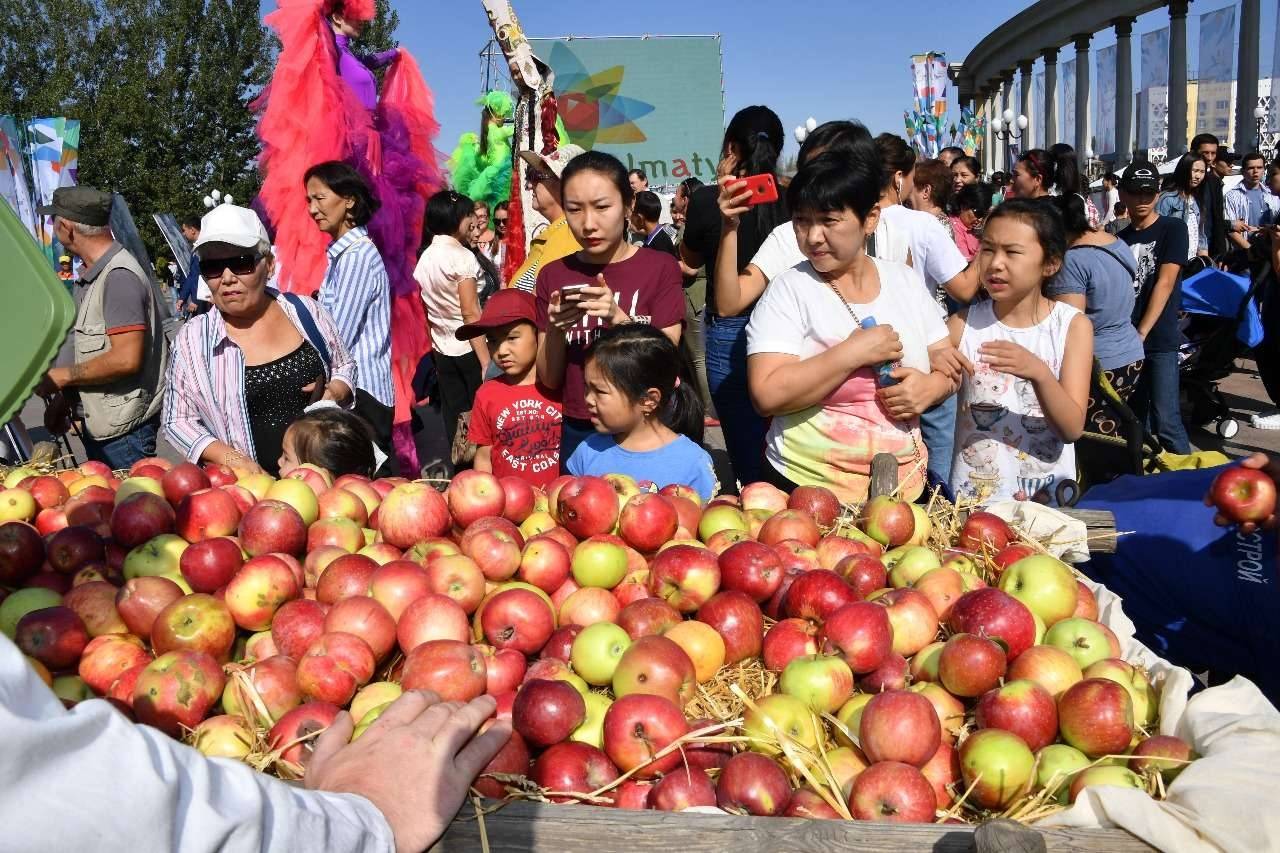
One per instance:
[(1106, 98), (1154, 74), (1068, 101), (14, 186), (1038, 112), (656, 103), (1217, 45), (46, 137)]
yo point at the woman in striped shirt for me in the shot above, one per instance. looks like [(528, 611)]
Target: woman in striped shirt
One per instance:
[(243, 372)]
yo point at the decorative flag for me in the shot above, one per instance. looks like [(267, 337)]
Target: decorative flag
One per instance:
[(1106, 143)]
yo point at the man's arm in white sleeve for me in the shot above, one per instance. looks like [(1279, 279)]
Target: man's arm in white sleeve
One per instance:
[(89, 778)]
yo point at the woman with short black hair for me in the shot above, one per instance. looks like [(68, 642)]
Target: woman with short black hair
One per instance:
[(447, 274), (356, 290)]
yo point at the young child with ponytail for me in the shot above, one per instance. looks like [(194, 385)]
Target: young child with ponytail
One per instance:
[(648, 418)]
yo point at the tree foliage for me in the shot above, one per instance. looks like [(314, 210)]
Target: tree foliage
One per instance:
[(161, 88), (380, 33)]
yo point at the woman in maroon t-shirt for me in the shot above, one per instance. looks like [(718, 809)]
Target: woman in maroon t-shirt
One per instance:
[(607, 283)]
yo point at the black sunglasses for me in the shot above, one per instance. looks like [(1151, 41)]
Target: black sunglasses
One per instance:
[(212, 268)]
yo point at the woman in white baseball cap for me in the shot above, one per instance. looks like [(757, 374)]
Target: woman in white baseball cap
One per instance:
[(244, 371)]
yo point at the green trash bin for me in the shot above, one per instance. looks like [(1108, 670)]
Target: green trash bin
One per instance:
[(36, 316)]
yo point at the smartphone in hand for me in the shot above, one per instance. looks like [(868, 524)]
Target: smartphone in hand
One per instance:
[(764, 189)]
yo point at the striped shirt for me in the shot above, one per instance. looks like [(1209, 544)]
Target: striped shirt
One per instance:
[(205, 398), (357, 292)]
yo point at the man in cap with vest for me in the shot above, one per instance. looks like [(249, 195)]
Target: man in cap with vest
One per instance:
[(116, 356)]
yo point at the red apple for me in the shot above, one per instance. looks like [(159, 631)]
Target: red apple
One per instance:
[(518, 619), (647, 521), (519, 499), (833, 548), (473, 495), (790, 524), (1096, 717), (409, 513), (860, 633), (1163, 754), (197, 622), (397, 584), (737, 618), (817, 594), (899, 726), (140, 600), (459, 578), (257, 591), (818, 501), (914, 621), (753, 784), (656, 666), (994, 613), (73, 547), (943, 587), (108, 657), (365, 618), (1022, 707), (296, 731), (49, 492), (22, 551), (453, 669), (55, 636), (274, 679), (296, 626), (894, 792), (647, 617), (632, 795), (970, 665), (206, 514), (1050, 667), (809, 804), (547, 712), (944, 774), (572, 767), (504, 669), (334, 667), (347, 576), (139, 518), (210, 564), (545, 563), (587, 506), (893, 674), (997, 766), (983, 531), (889, 521), (752, 568), (95, 603), (683, 788), (512, 760), (685, 576), (786, 640), (637, 727), (340, 503), (242, 497), (177, 690), (1244, 495), (272, 527), (181, 480), (560, 646), (1086, 602), (432, 617), (864, 572), (1010, 554), (495, 551)]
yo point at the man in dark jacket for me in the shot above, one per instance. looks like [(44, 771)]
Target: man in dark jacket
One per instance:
[(1205, 146)]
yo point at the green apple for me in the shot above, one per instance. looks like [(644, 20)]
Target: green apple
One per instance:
[(17, 475), (908, 563), (1056, 765), (599, 563), (373, 695), (722, 517), (1120, 777), (596, 651), (22, 602), (368, 719), (137, 485), (71, 688), (591, 732), (158, 556), (298, 495), (780, 713), (998, 765), (1044, 584), (823, 682), (17, 505), (1083, 639), (1146, 702), (1040, 628), (850, 714), (924, 526)]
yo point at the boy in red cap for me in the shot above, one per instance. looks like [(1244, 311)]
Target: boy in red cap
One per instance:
[(515, 421)]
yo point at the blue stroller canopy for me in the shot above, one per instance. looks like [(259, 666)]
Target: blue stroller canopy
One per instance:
[(1219, 294)]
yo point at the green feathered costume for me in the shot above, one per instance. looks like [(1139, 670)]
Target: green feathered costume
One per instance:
[(485, 175)]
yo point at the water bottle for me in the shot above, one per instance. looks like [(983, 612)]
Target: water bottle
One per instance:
[(884, 368)]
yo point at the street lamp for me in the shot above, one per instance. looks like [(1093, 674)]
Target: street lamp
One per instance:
[(1003, 128)]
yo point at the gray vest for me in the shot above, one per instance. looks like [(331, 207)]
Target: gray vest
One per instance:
[(116, 408)]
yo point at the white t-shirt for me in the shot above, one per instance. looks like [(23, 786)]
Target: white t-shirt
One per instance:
[(833, 443), (933, 253), (780, 251), (443, 265)]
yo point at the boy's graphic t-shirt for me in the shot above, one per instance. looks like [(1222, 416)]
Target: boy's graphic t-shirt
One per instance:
[(521, 425)]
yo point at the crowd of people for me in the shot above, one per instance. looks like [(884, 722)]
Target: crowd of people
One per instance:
[(880, 303)]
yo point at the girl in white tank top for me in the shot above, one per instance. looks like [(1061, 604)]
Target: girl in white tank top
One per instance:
[(1023, 405)]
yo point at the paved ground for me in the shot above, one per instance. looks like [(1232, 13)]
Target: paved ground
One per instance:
[(1242, 390)]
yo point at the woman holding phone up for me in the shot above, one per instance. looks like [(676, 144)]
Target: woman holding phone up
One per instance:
[(607, 283)]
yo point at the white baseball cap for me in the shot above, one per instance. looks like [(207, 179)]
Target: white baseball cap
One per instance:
[(229, 223)]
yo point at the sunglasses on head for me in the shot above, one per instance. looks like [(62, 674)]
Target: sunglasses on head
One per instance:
[(212, 268)]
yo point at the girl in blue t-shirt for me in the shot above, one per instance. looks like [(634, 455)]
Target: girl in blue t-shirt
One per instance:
[(648, 422)]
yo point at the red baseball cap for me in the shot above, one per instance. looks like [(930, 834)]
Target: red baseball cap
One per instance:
[(506, 306)]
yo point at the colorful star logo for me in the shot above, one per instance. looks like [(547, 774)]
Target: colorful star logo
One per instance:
[(592, 110)]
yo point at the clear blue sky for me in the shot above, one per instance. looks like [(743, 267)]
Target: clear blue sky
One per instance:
[(821, 58)]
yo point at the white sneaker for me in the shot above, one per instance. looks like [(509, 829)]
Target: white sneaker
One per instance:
[(1270, 420)]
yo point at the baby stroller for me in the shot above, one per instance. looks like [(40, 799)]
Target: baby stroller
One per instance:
[(1221, 324)]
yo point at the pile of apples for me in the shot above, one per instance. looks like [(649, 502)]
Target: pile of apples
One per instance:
[(212, 605)]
